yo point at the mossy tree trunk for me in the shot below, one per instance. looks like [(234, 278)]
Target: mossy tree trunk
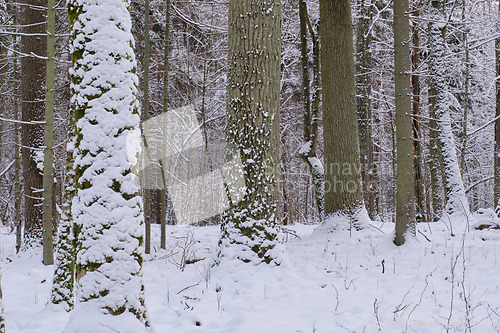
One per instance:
[(253, 127), (107, 206)]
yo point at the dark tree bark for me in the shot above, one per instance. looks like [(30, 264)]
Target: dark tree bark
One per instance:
[(33, 42)]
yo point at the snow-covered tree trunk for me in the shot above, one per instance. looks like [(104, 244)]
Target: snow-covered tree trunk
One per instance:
[(497, 122), (107, 205), (63, 284), (249, 229), (146, 182), (456, 200), (343, 185), (405, 210)]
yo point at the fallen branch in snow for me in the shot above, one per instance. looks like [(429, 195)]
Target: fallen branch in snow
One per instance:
[(375, 312), (184, 289), (420, 232)]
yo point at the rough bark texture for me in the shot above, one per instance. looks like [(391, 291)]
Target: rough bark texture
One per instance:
[(32, 108), (405, 209), (343, 186), (250, 227)]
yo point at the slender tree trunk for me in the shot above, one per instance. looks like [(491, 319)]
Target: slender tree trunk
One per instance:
[(364, 106), (17, 178), (63, 285), (420, 198), (497, 122), (2, 310), (17, 156), (311, 109), (146, 187), (163, 191), (343, 186), (435, 163), (456, 200), (405, 206), (465, 104), (48, 163), (33, 71), (250, 226)]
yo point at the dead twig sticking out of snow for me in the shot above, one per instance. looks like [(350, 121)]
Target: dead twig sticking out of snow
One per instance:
[(420, 232), (191, 286), (401, 308), (111, 328), (375, 313), (218, 290), (336, 297), (420, 299)]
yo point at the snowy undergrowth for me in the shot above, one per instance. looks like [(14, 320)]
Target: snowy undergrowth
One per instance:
[(328, 282)]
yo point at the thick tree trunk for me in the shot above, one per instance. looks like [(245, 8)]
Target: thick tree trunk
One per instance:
[(343, 186), (107, 208), (405, 207), (253, 127), (32, 107)]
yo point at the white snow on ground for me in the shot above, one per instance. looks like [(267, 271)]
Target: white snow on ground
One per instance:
[(328, 283)]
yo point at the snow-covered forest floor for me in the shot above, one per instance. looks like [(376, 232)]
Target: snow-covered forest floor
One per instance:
[(327, 283)]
